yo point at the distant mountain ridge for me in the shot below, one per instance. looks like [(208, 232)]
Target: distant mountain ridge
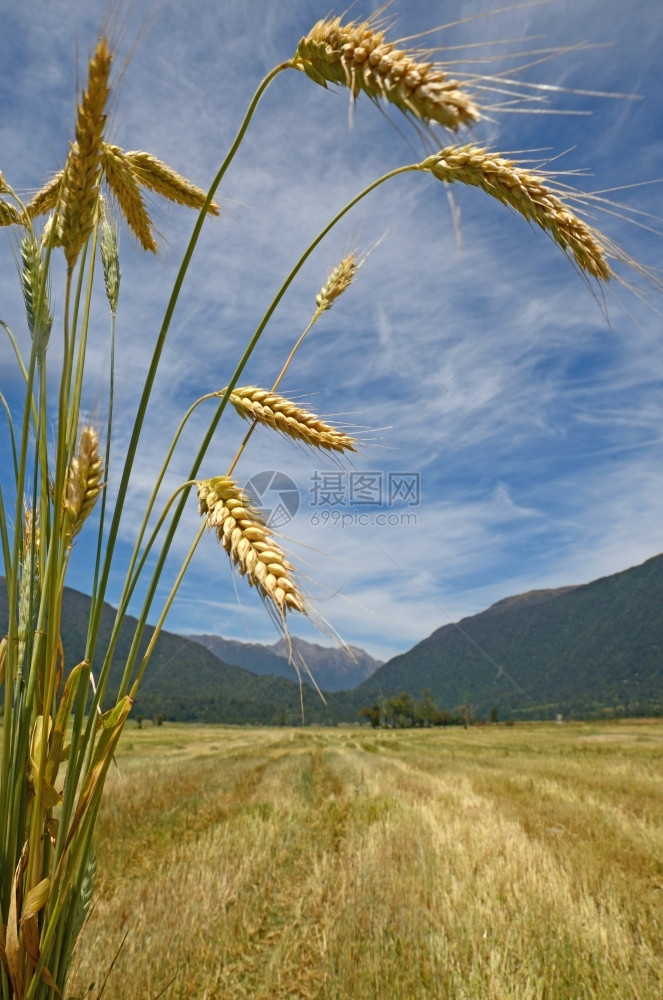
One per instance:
[(583, 651), (332, 667), (529, 598), (579, 650)]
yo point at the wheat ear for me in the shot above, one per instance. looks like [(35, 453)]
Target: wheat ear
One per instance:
[(122, 182), (46, 198), (340, 278), (32, 279), (9, 215), (530, 193), (29, 584), (162, 179), (283, 415), (356, 55), (83, 482), (82, 173), (246, 538), (110, 260)]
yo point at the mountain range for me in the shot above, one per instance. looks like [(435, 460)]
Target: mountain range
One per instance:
[(586, 650), (334, 668), (580, 650)]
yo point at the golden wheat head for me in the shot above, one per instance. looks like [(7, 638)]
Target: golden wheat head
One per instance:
[(530, 194), (82, 173), (47, 197), (9, 215), (340, 279), (356, 55), (83, 481), (162, 179), (122, 182), (283, 415), (246, 538)]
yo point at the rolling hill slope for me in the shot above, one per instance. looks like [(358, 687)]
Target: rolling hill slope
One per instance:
[(573, 650)]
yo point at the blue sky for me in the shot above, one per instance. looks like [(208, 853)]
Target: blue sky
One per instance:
[(514, 412)]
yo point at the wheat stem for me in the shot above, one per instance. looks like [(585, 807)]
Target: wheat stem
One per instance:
[(140, 417)]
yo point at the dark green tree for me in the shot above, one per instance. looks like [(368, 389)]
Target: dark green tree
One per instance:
[(425, 709), (399, 710), (372, 714)]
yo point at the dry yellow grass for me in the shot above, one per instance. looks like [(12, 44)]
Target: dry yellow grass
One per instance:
[(496, 864)]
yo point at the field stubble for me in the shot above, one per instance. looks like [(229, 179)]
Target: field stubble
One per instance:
[(501, 864)]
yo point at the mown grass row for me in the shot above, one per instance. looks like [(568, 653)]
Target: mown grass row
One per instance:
[(496, 863)]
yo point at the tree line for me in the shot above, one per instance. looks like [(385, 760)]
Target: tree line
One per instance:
[(402, 711)]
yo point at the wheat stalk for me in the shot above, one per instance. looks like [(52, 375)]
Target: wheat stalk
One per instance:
[(159, 177), (281, 414), (356, 55), (246, 538), (80, 183), (530, 193)]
